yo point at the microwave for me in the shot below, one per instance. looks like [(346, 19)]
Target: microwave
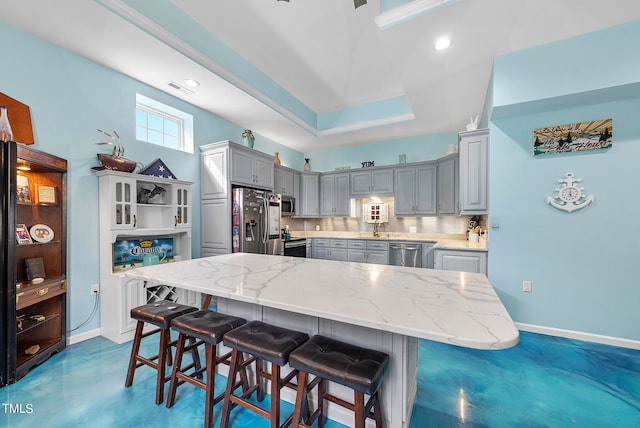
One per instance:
[(287, 206)]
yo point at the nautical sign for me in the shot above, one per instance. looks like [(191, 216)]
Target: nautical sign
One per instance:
[(575, 137)]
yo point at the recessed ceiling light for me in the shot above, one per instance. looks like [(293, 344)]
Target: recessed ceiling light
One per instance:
[(192, 83), (442, 43)]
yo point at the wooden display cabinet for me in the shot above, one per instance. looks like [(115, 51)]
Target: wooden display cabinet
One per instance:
[(36, 315)]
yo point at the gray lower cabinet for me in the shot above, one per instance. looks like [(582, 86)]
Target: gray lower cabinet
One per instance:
[(334, 195), (461, 260), (215, 226), (368, 251), (309, 195), (415, 190), (474, 171), (329, 249)]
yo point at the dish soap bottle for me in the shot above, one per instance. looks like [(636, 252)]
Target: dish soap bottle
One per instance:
[(287, 235)]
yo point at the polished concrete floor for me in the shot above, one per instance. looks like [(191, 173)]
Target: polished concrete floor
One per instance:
[(542, 382)]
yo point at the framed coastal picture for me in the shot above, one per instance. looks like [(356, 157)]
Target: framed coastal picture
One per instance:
[(574, 137), (23, 194)]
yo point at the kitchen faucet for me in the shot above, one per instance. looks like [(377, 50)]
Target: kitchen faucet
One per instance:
[(376, 232)]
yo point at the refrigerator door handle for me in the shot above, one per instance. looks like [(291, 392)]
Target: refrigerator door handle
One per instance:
[(265, 232)]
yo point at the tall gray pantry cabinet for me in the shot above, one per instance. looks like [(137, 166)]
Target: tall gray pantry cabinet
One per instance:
[(222, 165)]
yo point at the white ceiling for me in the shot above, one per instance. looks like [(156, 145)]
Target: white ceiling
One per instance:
[(324, 53)]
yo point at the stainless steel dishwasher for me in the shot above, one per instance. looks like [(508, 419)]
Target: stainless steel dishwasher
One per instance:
[(405, 254)]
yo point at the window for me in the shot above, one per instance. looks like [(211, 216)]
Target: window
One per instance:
[(160, 124)]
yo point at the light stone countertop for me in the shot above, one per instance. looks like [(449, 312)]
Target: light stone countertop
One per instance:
[(442, 240), (459, 308)]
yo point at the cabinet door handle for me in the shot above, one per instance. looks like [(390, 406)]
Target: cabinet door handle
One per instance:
[(42, 292), (175, 219), (135, 220)]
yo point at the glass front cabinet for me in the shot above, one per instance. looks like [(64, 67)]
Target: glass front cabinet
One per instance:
[(139, 213)]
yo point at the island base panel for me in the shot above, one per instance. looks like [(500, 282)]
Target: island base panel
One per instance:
[(398, 390)]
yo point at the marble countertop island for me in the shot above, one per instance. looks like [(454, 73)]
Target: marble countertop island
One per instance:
[(459, 308)]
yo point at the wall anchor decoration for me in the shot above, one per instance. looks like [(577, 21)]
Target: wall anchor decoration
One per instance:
[(569, 197)]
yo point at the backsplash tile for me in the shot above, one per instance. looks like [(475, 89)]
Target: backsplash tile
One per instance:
[(443, 224)]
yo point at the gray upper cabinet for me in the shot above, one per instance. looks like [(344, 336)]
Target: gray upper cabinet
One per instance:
[(213, 173), (474, 171), (448, 185), (372, 183), (334, 195), (285, 181), (309, 195), (415, 190), (251, 168)]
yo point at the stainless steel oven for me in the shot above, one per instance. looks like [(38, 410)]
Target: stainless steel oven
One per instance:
[(295, 247)]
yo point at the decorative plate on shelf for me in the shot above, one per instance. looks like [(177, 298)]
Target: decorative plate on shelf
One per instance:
[(41, 233)]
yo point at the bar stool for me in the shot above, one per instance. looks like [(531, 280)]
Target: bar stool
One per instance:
[(263, 342), (203, 327), (159, 314), (358, 368)]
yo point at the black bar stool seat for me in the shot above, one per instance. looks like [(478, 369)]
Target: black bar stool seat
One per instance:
[(160, 315), (264, 342), (358, 368), (208, 328)]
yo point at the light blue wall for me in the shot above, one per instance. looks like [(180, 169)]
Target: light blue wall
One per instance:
[(426, 147), (69, 98), (582, 264), (569, 68)]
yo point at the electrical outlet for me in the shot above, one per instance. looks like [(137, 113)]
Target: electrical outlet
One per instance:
[(95, 289), (526, 286)]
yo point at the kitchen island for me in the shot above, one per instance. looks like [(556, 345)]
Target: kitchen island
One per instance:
[(380, 307)]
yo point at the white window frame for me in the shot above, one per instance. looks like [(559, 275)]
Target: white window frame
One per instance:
[(184, 121)]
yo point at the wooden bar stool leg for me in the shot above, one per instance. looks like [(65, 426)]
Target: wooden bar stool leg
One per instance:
[(231, 380), (259, 379), (135, 349), (207, 301), (377, 411), (321, 403), (173, 385), (301, 399), (210, 400), (358, 408), (196, 357), (162, 360), (275, 396)]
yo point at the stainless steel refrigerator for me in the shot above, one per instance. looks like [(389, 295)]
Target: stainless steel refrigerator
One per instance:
[(255, 221)]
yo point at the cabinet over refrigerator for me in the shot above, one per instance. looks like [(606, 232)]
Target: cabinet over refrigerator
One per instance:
[(255, 225)]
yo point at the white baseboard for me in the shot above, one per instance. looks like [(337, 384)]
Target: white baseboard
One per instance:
[(578, 335), (81, 337)]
